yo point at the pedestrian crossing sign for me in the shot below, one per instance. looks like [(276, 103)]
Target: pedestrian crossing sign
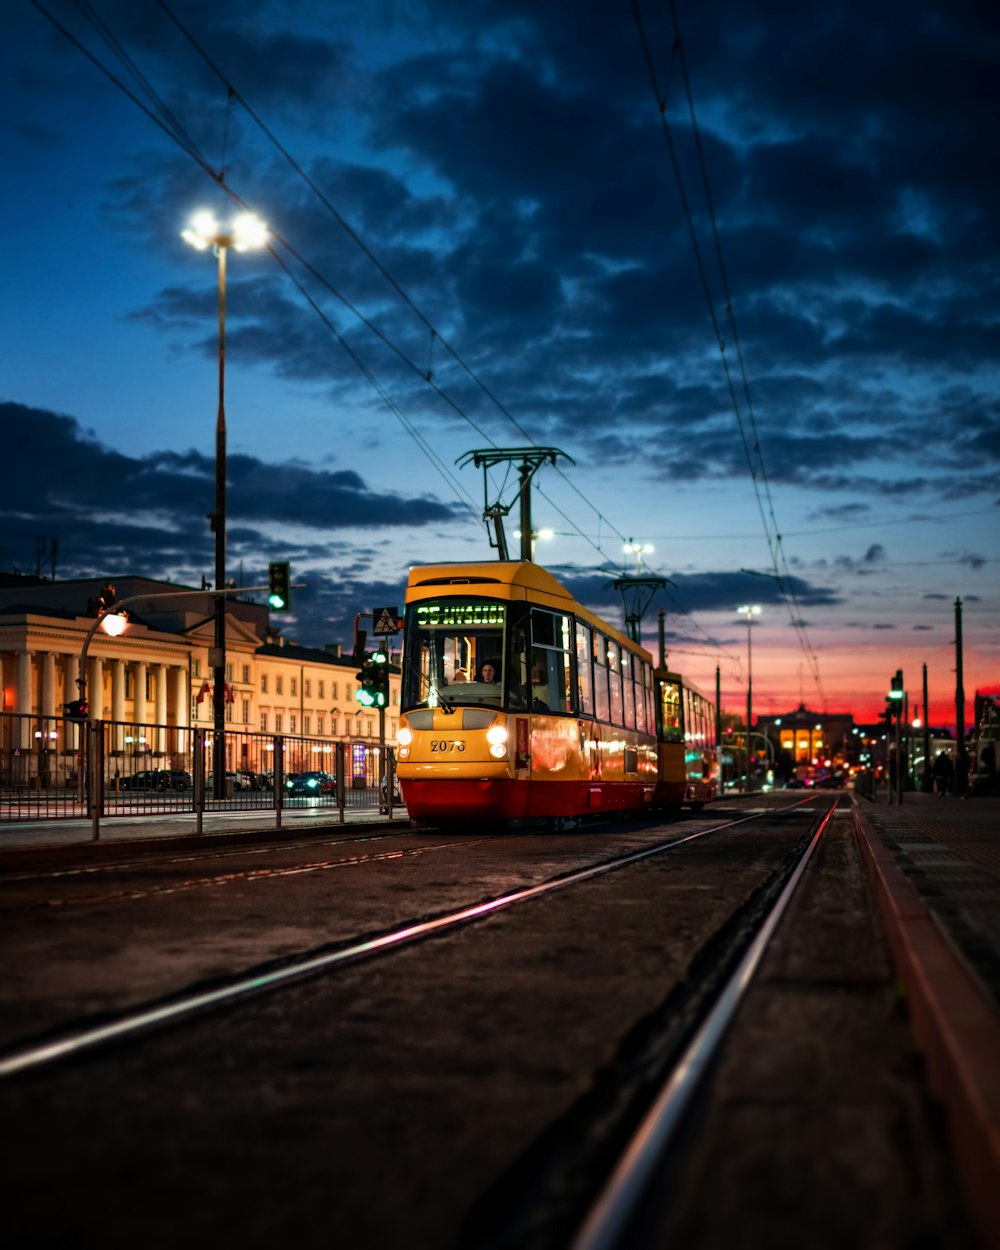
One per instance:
[(386, 621)]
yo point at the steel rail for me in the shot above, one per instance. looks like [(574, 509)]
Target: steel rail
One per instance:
[(617, 1203), (27, 1058)]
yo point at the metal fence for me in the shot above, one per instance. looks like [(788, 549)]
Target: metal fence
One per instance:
[(52, 768)]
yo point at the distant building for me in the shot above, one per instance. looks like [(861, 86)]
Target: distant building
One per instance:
[(811, 738)]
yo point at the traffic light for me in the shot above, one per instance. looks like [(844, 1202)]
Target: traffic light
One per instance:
[(78, 710), (380, 678), (373, 680), (279, 595)]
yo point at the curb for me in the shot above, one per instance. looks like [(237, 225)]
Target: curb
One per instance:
[(956, 1028)]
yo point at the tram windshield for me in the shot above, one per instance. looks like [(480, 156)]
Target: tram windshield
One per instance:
[(454, 652)]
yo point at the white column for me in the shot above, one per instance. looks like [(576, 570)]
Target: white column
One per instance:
[(47, 710), (47, 693), (71, 691), (182, 697), (23, 702), (161, 709), (95, 688), (118, 704), (139, 712)]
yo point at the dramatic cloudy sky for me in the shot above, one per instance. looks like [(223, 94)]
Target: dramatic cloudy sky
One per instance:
[(745, 280)]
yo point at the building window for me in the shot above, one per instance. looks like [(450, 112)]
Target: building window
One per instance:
[(306, 725), (321, 684), (319, 724), (291, 723), (229, 711), (246, 712), (334, 722), (277, 722), (263, 683), (294, 685), (246, 674), (279, 684), (196, 668), (229, 672), (333, 690), (307, 688), (263, 722)]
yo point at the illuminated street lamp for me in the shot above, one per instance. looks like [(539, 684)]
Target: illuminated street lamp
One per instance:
[(749, 611), (247, 231), (632, 548)]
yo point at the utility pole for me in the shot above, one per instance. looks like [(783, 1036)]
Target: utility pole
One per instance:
[(961, 760), (718, 725), (927, 780)]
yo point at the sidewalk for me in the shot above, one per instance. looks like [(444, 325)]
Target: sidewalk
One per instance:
[(41, 838), (935, 865)]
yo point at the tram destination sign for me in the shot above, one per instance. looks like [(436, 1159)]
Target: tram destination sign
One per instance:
[(451, 614)]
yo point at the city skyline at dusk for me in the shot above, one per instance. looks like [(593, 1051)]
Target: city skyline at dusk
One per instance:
[(762, 325)]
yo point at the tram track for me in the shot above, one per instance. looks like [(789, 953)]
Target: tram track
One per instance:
[(470, 1077), (73, 1039), (241, 876)]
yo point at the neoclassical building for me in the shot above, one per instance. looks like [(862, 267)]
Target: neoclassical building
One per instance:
[(157, 674)]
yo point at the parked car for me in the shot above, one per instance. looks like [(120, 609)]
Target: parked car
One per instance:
[(158, 779), (239, 781), (310, 783)]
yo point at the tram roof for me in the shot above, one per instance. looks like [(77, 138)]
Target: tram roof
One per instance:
[(520, 579)]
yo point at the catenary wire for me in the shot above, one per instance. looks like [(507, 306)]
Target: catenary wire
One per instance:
[(167, 122)]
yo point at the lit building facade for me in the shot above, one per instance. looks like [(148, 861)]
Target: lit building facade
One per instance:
[(812, 739), (157, 674)]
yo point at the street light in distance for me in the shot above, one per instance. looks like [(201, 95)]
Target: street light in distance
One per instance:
[(246, 231), (749, 610)]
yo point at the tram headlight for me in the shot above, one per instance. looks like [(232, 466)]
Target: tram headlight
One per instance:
[(496, 736), (405, 736)]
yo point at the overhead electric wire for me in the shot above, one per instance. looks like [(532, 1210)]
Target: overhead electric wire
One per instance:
[(435, 334), (163, 117), (773, 541), (172, 127)]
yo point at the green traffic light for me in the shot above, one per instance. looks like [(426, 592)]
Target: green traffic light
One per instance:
[(279, 587)]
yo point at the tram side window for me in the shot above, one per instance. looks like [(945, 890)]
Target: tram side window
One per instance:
[(672, 729), (517, 667), (641, 676), (584, 675), (602, 705), (551, 670), (628, 690), (615, 682)]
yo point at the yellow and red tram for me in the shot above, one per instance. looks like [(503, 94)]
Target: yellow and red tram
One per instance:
[(687, 754), (518, 702)]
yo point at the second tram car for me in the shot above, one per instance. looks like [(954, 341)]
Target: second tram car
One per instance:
[(518, 703), (688, 760)]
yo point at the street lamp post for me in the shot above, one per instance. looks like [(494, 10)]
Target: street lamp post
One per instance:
[(749, 611), (247, 231)]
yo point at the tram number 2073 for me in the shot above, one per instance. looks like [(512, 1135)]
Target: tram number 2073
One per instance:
[(442, 745)]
